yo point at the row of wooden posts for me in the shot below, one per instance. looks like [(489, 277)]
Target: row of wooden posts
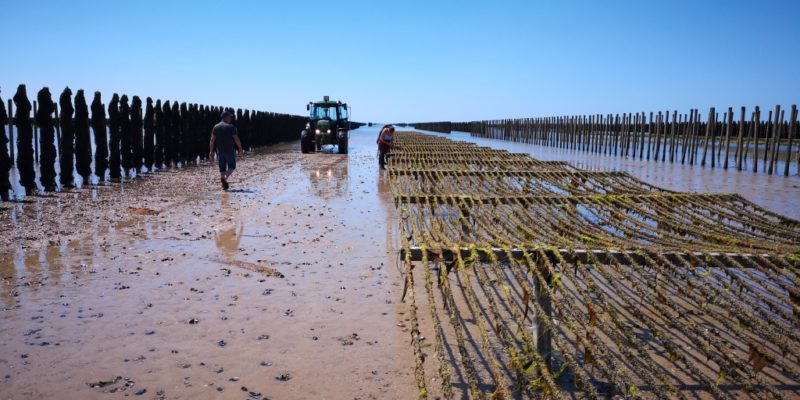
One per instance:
[(125, 140), (740, 140), (441, 127)]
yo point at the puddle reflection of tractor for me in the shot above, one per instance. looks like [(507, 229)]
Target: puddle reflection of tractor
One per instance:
[(331, 181), (328, 124)]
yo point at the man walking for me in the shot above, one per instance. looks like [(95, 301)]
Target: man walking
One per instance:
[(223, 138)]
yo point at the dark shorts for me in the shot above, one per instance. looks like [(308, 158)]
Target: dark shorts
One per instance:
[(227, 162)]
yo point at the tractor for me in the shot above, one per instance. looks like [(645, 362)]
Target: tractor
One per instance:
[(328, 123)]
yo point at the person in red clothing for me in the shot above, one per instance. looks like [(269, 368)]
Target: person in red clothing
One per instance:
[(384, 144)]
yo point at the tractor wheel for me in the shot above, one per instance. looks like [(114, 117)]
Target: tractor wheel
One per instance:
[(342, 146), (306, 145)]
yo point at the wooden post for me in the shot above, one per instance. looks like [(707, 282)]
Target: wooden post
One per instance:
[(604, 135), (634, 126), (664, 128), (57, 120), (687, 129), (582, 133), (544, 336), (698, 126), (612, 126), (639, 133), (720, 132), (659, 119), (690, 131), (776, 137), (689, 135), (35, 134), (630, 127), (11, 130), (709, 127), (753, 136), (680, 133), (756, 122), (598, 127), (798, 159), (792, 127), (768, 138), (629, 124), (713, 136), (596, 133), (588, 130), (603, 132), (649, 136), (598, 130), (617, 132), (728, 127), (696, 134), (748, 135), (641, 138), (672, 131), (576, 132), (740, 139)]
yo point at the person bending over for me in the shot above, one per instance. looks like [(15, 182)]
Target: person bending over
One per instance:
[(385, 144)]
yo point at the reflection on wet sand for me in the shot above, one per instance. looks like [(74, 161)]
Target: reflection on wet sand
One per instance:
[(8, 279), (332, 180), (33, 266), (55, 263), (228, 240)]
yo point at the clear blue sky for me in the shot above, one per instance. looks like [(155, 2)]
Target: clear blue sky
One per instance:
[(412, 60)]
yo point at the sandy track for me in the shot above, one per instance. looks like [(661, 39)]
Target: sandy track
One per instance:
[(285, 286)]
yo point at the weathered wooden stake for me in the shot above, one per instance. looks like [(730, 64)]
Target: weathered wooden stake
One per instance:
[(644, 138), (35, 134), (658, 137), (792, 127), (544, 336), (672, 132), (740, 141), (57, 121), (665, 132), (728, 127), (11, 143), (687, 134), (768, 139), (756, 120), (713, 124), (709, 127), (776, 137)]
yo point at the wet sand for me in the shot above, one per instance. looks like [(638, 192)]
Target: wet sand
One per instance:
[(167, 287)]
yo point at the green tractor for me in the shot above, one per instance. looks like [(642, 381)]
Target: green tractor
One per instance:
[(328, 123)]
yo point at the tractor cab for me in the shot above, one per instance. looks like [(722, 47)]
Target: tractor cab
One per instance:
[(328, 123)]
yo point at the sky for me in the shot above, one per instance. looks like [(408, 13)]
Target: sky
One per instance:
[(412, 61)]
